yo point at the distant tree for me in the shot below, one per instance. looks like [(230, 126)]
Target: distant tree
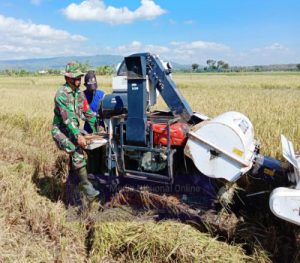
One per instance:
[(53, 71), (104, 70), (257, 68), (195, 67), (56, 71), (84, 66), (226, 66), (220, 64), (8, 72), (298, 66), (211, 64), (22, 73)]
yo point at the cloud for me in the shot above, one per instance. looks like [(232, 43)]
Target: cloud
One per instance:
[(200, 45), (136, 47), (96, 10), (271, 48), (36, 2), (178, 51), (275, 46), (199, 51), (275, 53), (24, 39)]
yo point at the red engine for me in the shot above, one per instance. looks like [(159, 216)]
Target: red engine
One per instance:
[(178, 132)]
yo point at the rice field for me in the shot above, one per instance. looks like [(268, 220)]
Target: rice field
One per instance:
[(270, 100), (33, 220)]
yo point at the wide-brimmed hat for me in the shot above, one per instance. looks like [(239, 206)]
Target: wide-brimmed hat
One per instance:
[(73, 70)]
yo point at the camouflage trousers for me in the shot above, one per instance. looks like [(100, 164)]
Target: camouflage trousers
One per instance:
[(70, 146)]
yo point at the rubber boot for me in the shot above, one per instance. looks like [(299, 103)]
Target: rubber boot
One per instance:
[(86, 186)]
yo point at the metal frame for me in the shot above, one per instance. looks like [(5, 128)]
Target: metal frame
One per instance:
[(146, 176)]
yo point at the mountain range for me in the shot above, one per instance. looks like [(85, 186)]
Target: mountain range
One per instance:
[(60, 62)]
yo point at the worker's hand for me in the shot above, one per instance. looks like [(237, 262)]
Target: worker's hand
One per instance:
[(81, 141), (101, 129)]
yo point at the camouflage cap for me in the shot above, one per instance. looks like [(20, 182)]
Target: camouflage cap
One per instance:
[(73, 70)]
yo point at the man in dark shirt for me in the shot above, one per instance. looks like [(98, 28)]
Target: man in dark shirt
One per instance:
[(93, 95)]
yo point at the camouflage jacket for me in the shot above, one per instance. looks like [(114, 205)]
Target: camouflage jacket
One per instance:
[(70, 106)]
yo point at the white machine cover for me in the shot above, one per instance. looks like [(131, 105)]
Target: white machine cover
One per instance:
[(222, 147)]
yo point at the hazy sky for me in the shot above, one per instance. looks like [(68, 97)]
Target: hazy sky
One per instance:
[(241, 32)]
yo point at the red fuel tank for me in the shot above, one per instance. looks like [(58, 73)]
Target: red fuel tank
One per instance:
[(178, 133)]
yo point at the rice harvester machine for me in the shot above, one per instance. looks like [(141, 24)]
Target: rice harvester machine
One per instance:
[(181, 147)]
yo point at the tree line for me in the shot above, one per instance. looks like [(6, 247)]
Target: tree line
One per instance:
[(100, 70), (212, 65), (222, 66)]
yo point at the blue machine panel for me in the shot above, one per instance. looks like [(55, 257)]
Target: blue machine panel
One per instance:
[(114, 104), (167, 88), (136, 124)]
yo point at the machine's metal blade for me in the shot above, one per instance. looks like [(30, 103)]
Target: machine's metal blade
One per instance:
[(289, 152), (293, 159)]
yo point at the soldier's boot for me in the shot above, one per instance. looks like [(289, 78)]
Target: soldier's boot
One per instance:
[(86, 186)]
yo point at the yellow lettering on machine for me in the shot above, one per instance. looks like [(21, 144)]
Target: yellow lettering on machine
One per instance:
[(238, 152)]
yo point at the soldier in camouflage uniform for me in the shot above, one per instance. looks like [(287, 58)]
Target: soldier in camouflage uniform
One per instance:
[(70, 106)]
